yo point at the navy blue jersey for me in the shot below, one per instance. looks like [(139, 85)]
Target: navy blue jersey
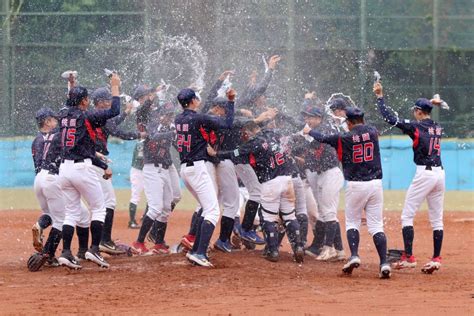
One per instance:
[(158, 144), (265, 155), (426, 135), (111, 129), (321, 157), (358, 150), (78, 129), (192, 130), (46, 151)]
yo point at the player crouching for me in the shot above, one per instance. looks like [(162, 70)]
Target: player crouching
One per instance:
[(359, 153), (278, 196)]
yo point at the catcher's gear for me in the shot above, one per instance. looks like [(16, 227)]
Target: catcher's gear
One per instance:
[(36, 261), (394, 255)]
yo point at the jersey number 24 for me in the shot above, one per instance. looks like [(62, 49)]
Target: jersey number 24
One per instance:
[(181, 141)]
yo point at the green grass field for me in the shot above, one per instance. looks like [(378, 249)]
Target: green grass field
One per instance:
[(21, 199)]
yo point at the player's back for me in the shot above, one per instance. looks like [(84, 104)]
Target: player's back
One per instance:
[(359, 153), (427, 143), (190, 141), (77, 135)]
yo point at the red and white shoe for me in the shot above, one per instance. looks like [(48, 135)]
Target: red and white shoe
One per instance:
[(405, 262), (139, 248), (159, 249), (188, 241), (432, 266)]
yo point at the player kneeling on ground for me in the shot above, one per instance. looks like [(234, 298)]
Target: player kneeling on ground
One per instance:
[(359, 153), (278, 196)]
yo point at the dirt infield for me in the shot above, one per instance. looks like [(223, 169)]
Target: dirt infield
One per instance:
[(243, 282)]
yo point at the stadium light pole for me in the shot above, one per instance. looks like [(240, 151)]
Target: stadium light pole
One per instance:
[(434, 77)]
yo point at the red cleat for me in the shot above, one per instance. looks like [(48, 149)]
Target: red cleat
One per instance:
[(139, 247), (159, 249), (188, 241)]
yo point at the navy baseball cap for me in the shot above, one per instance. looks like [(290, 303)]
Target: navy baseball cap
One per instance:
[(76, 95), (185, 96), (312, 111), (353, 113), (423, 104), (43, 113), (338, 104), (141, 91), (219, 101), (101, 94)]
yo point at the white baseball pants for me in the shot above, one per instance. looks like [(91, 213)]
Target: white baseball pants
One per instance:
[(80, 180), (50, 197), (368, 196), (248, 177), (176, 188), (110, 200), (278, 197), (137, 181), (429, 185), (158, 192)]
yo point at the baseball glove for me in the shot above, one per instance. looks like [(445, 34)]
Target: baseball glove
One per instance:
[(36, 261), (394, 255)]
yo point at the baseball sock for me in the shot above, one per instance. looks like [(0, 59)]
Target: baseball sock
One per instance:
[(207, 228), (303, 221), (145, 212), (68, 232), (132, 211), (227, 224), (330, 233), (408, 236), (251, 209), (108, 222), (96, 234), (154, 230), (353, 241), (318, 232), (193, 228), (338, 238), (437, 242), (44, 221), (271, 237), (83, 238), (294, 234), (160, 231), (146, 225), (198, 223), (380, 241), (237, 225), (52, 242)]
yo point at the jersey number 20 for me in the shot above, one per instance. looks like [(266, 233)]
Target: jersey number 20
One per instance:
[(363, 152)]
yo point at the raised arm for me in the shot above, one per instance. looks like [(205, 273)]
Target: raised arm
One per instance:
[(332, 139), (99, 118), (215, 122)]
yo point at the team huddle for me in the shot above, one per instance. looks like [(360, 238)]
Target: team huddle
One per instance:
[(236, 152)]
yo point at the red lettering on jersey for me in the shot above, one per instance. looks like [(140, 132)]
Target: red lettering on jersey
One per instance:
[(416, 139), (339, 148), (181, 141), (90, 130)]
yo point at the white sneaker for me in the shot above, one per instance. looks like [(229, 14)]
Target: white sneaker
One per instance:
[(352, 263), (327, 254), (432, 266), (340, 256), (385, 271), (97, 259)]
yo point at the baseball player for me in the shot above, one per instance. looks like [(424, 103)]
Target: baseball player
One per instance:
[(191, 145), (157, 181), (429, 180), (77, 177), (102, 99), (136, 179), (46, 152), (359, 152), (278, 196), (326, 181)]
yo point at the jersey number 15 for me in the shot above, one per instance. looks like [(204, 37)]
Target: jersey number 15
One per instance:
[(363, 152)]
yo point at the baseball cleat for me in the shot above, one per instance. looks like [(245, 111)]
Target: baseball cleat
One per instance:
[(95, 257), (385, 271), (340, 256), (133, 225), (328, 253), (405, 262), (37, 237), (223, 246), (159, 249), (110, 248), (252, 237), (81, 255), (200, 260), (188, 241), (236, 242), (432, 266), (272, 256), (52, 262), (312, 251), (69, 261), (352, 263), (139, 248), (299, 254)]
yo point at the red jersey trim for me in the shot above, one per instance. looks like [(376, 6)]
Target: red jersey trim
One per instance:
[(339, 148), (90, 130), (416, 140)]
